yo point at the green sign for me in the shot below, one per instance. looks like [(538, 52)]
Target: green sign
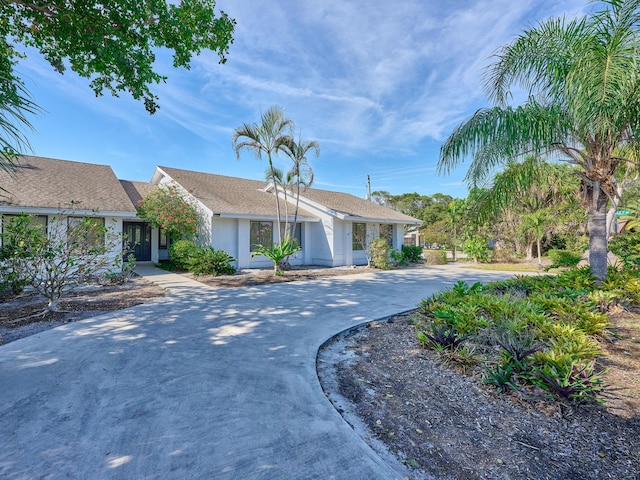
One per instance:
[(623, 212)]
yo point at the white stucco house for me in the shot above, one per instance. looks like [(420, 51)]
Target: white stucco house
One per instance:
[(235, 213)]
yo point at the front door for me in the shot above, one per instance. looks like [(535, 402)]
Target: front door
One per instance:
[(138, 240)]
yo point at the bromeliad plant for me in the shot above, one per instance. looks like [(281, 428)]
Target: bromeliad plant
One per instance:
[(278, 253), (570, 380), (442, 337), (542, 331)]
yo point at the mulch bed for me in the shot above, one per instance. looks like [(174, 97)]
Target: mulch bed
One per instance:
[(443, 423)]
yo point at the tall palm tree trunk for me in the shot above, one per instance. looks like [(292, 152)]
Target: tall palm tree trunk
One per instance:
[(597, 224), (275, 187)]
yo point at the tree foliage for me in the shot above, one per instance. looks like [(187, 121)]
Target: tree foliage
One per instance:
[(269, 137), (166, 208), (112, 42)]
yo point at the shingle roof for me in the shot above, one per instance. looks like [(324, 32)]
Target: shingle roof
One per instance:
[(137, 190), (353, 206), (230, 195), (49, 183)]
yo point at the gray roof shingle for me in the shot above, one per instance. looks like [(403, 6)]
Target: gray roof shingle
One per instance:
[(137, 190), (48, 183), (353, 206), (230, 195)]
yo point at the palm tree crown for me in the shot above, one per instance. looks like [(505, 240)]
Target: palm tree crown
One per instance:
[(268, 137)]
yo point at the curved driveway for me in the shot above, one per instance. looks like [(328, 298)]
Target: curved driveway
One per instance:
[(204, 384)]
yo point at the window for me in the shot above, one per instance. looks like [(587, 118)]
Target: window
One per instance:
[(359, 236), (34, 220), (386, 232), (297, 234), (261, 233), (85, 233), (39, 221)]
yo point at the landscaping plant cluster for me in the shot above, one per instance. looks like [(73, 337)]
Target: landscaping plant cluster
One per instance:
[(199, 260), (538, 335)]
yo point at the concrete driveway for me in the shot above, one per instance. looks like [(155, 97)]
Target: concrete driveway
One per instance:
[(204, 384)]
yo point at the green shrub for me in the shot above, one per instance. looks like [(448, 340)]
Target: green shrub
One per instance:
[(379, 250), (564, 258), (577, 279), (181, 253), (398, 258), (11, 283), (627, 248), (413, 253), (208, 261), (435, 257), (477, 248), (569, 380), (531, 330)]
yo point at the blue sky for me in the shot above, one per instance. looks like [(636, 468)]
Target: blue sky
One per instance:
[(378, 84)]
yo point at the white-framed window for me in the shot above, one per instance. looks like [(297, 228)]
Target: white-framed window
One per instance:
[(40, 221), (260, 233), (359, 236)]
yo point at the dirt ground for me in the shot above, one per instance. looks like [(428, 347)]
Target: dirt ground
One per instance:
[(86, 301), (445, 424)]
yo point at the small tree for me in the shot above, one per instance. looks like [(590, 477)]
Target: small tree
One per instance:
[(74, 250), (166, 208)]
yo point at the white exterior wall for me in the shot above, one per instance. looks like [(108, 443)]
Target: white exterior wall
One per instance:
[(225, 235), (322, 234), (155, 245), (398, 236)]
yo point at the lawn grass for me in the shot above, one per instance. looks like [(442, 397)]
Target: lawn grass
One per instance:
[(511, 267)]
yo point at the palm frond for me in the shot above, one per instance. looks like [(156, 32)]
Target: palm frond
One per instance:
[(16, 105), (493, 136)]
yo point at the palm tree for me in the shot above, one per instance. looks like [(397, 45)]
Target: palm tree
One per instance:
[(301, 174), (536, 223), (454, 216), (584, 94), (269, 137)]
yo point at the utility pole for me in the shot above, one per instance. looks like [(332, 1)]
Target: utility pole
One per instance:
[(369, 188)]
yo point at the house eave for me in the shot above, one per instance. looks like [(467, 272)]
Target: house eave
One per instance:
[(249, 216), (12, 209), (355, 218)]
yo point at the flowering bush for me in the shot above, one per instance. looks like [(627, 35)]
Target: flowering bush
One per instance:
[(167, 209)]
